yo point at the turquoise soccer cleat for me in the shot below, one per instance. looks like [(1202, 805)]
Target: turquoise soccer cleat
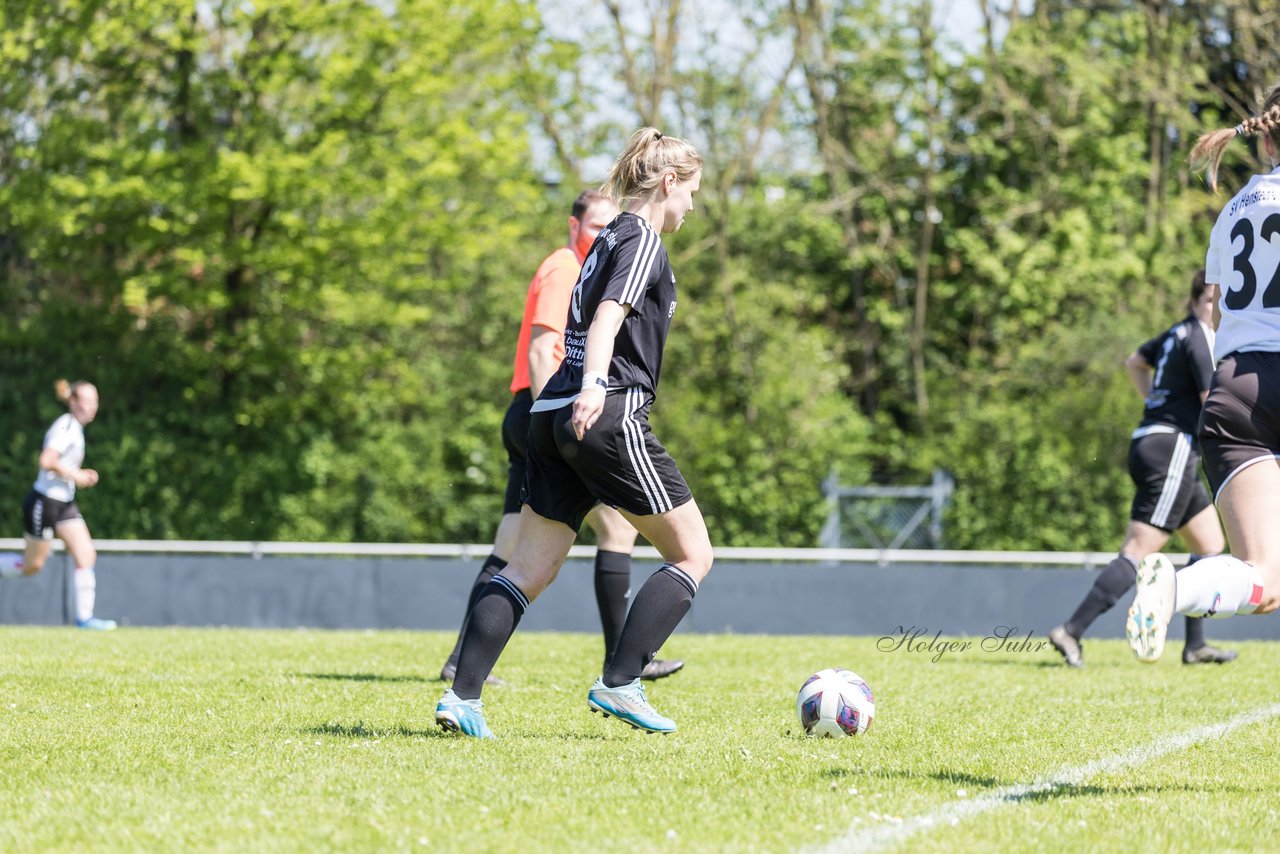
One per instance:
[(627, 703), (454, 714), (96, 624)]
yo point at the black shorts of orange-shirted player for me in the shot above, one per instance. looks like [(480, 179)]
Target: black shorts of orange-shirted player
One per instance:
[(1239, 429), (590, 440), (1171, 373)]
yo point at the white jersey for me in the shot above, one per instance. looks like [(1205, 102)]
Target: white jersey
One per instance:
[(1244, 261), (66, 436)]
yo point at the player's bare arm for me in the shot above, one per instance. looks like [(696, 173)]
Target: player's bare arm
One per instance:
[(604, 328)]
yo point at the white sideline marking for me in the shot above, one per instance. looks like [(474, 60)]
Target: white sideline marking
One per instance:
[(881, 836)]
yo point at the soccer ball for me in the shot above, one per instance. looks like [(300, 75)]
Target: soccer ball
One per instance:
[(835, 703)]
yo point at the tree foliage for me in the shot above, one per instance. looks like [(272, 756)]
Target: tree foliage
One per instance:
[(289, 240), (279, 237)]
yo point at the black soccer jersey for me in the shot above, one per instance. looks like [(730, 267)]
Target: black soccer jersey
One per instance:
[(1183, 362), (627, 264)]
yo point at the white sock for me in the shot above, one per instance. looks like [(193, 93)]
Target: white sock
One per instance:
[(1220, 586), (86, 592), (10, 565)]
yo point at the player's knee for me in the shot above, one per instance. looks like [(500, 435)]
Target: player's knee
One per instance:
[(621, 539), (698, 562), (613, 533), (532, 578)]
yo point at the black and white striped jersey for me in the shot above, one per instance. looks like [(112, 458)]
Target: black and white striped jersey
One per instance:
[(627, 264), (1182, 358)]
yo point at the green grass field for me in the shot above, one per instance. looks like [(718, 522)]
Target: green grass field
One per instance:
[(181, 739)]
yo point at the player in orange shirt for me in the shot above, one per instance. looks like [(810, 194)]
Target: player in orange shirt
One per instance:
[(539, 351)]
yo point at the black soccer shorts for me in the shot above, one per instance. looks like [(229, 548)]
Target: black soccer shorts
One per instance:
[(41, 514), (1240, 421), (619, 463), (1165, 468), (515, 432)]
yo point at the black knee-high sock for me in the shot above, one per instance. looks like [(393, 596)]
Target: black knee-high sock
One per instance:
[(1195, 625), (658, 608), (1116, 580), (1194, 633), (489, 627), (613, 592), (492, 566)]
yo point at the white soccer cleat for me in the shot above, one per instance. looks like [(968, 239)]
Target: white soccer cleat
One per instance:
[(1152, 608)]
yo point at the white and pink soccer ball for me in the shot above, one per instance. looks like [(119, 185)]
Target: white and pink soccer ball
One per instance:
[(835, 703)]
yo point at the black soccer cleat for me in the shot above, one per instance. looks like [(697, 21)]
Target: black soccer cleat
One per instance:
[(450, 672), (660, 668), (1208, 655), (1067, 646)]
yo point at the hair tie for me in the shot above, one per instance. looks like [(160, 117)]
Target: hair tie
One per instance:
[(1240, 131)]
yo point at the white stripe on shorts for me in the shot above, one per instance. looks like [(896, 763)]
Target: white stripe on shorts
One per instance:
[(1172, 480), (1153, 428), (638, 452)]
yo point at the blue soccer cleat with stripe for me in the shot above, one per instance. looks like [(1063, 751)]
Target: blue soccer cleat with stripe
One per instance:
[(454, 714), (628, 704)]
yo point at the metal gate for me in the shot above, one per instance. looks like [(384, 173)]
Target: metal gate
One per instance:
[(885, 517)]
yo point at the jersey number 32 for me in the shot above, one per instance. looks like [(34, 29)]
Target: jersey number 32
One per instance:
[(1239, 298)]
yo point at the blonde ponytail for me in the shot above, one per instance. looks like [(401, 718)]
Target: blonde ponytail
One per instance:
[(648, 156)]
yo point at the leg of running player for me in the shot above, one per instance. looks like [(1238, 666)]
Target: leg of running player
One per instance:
[(1247, 581), (74, 533), (1203, 535), (1116, 579)]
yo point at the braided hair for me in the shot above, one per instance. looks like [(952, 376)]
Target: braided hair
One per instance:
[(1208, 149)]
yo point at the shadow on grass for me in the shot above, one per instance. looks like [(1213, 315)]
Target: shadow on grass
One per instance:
[(1055, 664), (363, 731), (367, 677), (952, 777), (576, 736), (992, 658), (1041, 791), (1072, 790)]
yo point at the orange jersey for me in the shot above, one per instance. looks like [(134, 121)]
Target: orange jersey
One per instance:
[(546, 304)]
